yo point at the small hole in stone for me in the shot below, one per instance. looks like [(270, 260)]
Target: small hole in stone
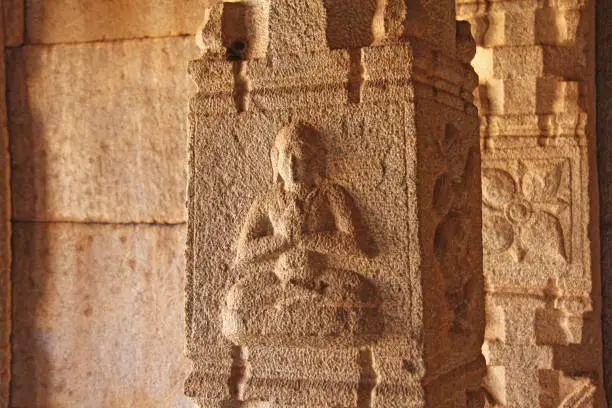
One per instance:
[(238, 46), (236, 51), (409, 366)]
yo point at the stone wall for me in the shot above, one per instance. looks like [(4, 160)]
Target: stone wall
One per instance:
[(97, 107), (540, 208), (604, 151)]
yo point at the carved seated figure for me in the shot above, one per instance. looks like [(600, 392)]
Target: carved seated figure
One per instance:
[(297, 224)]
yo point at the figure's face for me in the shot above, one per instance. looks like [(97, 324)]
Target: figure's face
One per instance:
[(293, 164)]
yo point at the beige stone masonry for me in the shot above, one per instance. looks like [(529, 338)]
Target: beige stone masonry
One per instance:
[(72, 21), (98, 319), (604, 151), (536, 103), (98, 134), (99, 130)]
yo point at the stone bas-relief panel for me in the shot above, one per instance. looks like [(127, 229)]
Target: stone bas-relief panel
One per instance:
[(456, 244), (525, 203), (311, 265), (534, 216), (298, 221)]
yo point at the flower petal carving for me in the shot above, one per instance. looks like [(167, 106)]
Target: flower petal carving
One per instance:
[(542, 186), (498, 188), (498, 233), (546, 234)]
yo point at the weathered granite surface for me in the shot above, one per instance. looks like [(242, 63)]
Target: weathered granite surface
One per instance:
[(604, 151), (97, 314), (334, 255), (99, 140), (101, 130), (71, 21), (535, 62)]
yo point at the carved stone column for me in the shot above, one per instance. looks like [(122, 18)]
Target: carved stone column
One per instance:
[(334, 246), (536, 100), (604, 153)]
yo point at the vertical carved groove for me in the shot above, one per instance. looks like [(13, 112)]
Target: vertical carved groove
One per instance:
[(240, 373), (368, 379), (242, 86), (358, 75)]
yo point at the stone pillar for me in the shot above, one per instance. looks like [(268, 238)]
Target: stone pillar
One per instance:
[(604, 151), (5, 233), (334, 242), (540, 213)]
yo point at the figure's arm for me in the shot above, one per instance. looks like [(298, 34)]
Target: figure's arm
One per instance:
[(343, 240), (257, 240)]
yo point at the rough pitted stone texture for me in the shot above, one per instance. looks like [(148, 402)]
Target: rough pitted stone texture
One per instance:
[(97, 316), (101, 130), (52, 21), (604, 150), (14, 22), (5, 238), (334, 256), (606, 265), (536, 101)]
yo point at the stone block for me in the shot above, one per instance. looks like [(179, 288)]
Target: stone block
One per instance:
[(519, 26), (98, 320), (51, 22), (519, 96), (14, 22), (518, 62), (102, 130), (535, 213)]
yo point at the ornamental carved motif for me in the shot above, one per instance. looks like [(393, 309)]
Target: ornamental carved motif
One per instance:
[(523, 209)]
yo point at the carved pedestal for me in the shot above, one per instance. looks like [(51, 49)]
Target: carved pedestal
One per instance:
[(334, 246)]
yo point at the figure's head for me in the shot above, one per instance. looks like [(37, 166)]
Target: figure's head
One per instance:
[(298, 156)]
